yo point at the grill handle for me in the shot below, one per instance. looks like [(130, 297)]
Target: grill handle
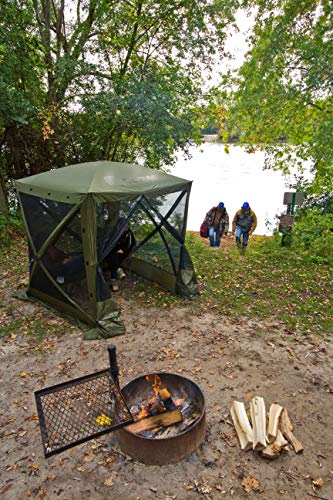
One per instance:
[(113, 362)]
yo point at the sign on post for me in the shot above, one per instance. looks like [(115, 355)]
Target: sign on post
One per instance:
[(286, 222), (292, 199), (295, 198)]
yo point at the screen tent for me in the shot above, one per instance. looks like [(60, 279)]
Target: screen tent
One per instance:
[(74, 216)]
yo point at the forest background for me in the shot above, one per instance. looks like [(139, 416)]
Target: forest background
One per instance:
[(129, 81)]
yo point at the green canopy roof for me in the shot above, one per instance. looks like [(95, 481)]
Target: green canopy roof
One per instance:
[(105, 180)]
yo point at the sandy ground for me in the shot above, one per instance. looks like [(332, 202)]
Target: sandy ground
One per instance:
[(229, 360)]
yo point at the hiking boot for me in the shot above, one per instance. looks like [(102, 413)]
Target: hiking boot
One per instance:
[(120, 273), (114, 285)]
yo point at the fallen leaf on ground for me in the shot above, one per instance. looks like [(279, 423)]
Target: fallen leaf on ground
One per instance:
[(249, 483), (202, 487), (41, 494), (5, 487), (108, 481), (318, 483)]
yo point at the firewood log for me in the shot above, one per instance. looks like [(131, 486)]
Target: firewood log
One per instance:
[(242, 425), (273, 421), (258, 418), (286, 428), (166, 398), (175, 430), (163, 419), (156, 407), (274, 449)]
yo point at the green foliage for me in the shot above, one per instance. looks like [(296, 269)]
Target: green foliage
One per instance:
[(11, 228), (313, 233), (283, 103), (118, 80)]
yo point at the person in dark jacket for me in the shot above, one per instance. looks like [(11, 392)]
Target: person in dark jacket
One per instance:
[(243, 225), (217, 222), (122, 249)]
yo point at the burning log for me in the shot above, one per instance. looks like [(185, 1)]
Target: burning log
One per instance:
[(286, 429), (273, 450), (258, 418), (163, 419), (161, 392), (156, 407), (166, 398), (242, 425), (180, 427), (273, 422)]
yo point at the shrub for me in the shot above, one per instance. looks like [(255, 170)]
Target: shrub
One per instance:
[(11, 226), (313, 233)]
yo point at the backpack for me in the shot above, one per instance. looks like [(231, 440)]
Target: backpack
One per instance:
[(204, 231)]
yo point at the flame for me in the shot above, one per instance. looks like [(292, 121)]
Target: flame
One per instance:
[(156, 384), (143, 413), (159, 389)]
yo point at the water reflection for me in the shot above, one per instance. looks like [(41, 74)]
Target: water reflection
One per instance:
[(232, 178)]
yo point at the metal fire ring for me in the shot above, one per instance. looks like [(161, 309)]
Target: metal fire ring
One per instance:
[(170, 449)]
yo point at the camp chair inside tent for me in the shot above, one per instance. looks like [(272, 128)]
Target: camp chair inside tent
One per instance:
[(74, 217)]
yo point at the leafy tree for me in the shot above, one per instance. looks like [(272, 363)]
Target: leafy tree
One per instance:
[(118, 79), (283, 102)]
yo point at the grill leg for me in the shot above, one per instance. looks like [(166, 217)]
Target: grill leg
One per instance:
[(113, 362)]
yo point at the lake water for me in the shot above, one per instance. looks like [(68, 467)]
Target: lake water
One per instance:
[(232, 178)]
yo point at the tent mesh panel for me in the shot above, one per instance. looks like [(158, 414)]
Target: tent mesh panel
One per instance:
[(163, 204), (42, 216), (63, 257)]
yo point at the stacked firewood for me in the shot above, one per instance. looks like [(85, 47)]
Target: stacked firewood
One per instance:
[(269, 434)]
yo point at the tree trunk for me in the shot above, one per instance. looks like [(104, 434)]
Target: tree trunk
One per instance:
[(3, 201)]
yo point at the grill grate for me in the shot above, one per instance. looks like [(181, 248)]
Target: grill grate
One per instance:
[(78, 410)]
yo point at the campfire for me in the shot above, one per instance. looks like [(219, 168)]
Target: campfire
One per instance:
[(164, 415), (169, 418)]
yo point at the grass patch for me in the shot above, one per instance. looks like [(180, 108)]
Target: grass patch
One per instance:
[(268, 282)]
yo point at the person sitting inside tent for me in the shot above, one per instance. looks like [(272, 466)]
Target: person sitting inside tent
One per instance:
[(122, 249), (65, 267)]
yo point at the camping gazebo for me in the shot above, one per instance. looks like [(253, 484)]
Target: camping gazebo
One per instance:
[(72, 219)]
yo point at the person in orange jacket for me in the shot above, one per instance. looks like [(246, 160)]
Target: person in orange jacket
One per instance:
[(243, 225)]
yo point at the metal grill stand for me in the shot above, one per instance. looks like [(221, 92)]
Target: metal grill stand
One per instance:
[(81, 409)]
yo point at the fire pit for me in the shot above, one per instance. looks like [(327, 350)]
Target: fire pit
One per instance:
[(170, 444), (159, 418)]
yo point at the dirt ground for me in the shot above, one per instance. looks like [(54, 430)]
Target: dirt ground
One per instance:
[(229, 360)]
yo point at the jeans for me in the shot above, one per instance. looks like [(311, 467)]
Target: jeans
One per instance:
[(239, 234), (214, 242)]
